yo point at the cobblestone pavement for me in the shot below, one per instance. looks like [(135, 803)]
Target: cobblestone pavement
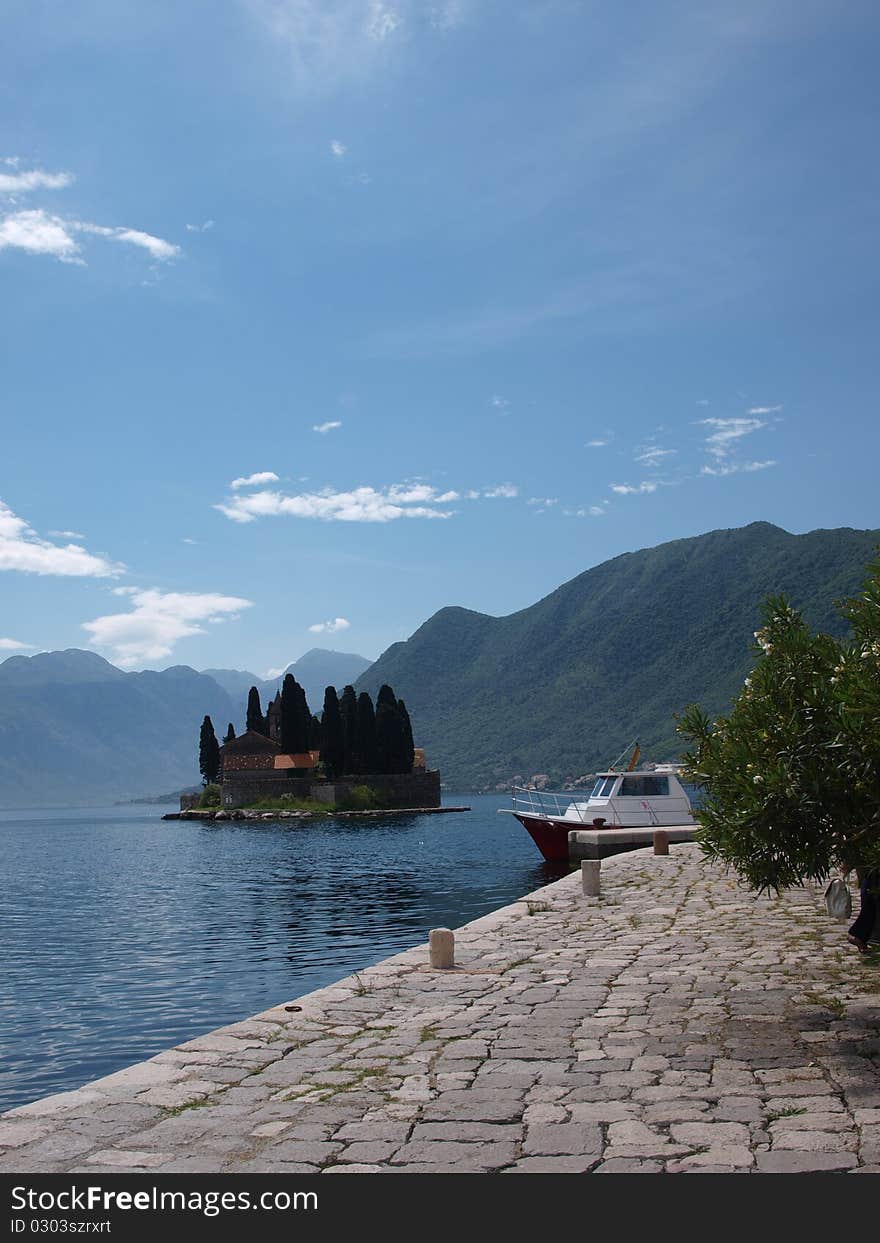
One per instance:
[(677, 1023)]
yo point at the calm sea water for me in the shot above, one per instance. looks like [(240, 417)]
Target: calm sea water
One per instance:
[(123, 934)]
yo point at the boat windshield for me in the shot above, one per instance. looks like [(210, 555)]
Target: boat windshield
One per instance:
[(603, 787), (645, 785)]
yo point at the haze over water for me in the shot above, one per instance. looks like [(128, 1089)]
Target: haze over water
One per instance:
[(124, 934)]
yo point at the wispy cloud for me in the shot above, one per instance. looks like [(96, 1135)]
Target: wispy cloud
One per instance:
[(35, 179), (542, 503), (333, 626), (596, 444), (506, 490), (13, 645), (498, 402), (157, 621), (587, 511), (324, 428), (251, 481), (735, 468), (338, 148), (652, 455), (67, 534), (628, 489), (38, 233), (329, 41), (22, 549), (726, 432), (365, 504), (200, 228), (765, 409)]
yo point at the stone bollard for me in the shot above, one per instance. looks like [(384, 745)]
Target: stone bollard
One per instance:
[(590, 877), (661, 842), (441, 943)]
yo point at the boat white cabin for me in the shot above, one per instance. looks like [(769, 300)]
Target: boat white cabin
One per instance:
[(633, 800)]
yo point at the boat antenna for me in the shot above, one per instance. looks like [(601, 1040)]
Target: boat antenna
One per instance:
[(615, 767)]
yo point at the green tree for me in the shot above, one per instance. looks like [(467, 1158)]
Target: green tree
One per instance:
[(209, 753), (230, 733), (792, 775), (255, 719), (409, 753), (332, 744), (390, 739), (367, 758), (348, 712), (295, 717)]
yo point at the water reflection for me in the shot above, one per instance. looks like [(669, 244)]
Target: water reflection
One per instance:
[(123, 934)]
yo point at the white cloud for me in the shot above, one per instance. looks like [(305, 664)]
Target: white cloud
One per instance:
[(38, 233), (596, 444), (727, 431), (651, 455), (276, 673), (338, 148), (735, 468), (187, 540), (333, 626), (22, 549), (156, 246), (587, 511), (250, 481), (503, 489), (764, 409), (383, 21), (363, 504), (702, 401), (36, 179), (13, 645), (542, 503), (499, 402), (324, 428), (200, 228), (67, 534), (157, 621), (628, 489)]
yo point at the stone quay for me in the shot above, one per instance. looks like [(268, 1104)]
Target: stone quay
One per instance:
[(673, 1023)]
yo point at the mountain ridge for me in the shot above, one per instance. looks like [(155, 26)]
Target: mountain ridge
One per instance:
[(560, 686)]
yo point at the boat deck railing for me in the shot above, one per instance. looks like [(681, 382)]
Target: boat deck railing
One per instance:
[(557, 803)]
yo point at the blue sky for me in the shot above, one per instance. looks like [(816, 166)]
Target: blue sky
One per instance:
[(483, 293)]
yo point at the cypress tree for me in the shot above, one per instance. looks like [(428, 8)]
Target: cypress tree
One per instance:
[(315, 733), (367, 758), (230, 733), (409, 751), (332, 744), (303, 721), (386, 696), (209, 753), (348, 712), (255, 719), (390, 739)]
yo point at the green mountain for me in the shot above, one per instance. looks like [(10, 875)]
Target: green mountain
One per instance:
[(75, 729), (562, 686)]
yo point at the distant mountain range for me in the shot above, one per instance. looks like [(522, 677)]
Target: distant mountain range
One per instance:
[(557, 688), (561, 687), (315, 671), (74, 729)]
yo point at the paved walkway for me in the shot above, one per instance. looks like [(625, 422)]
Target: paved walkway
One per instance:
[(677, 1023)]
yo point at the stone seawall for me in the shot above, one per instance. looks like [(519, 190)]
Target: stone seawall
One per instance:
[(674, 1023)]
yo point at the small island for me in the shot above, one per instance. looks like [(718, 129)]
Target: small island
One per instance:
[(357, 758)]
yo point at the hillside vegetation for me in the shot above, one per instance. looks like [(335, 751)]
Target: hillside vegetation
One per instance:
[(560, 687)]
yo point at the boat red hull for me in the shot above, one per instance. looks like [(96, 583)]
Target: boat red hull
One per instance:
[(551, 839)]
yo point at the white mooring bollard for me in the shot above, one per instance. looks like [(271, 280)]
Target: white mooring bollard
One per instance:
[(441, 943), (590, 877)]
